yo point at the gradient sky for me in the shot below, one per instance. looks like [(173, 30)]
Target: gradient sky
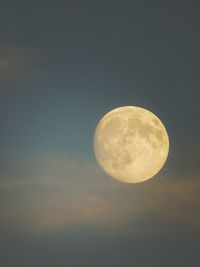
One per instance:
[(63, 65)]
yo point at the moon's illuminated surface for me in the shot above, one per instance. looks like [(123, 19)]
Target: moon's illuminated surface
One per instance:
[(131, 144)]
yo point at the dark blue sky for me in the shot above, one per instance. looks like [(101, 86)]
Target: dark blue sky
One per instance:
[(63, 65)]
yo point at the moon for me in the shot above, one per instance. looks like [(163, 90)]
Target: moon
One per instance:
[(131, 144)]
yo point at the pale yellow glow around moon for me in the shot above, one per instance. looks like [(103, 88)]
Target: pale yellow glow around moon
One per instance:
[(131, 144)]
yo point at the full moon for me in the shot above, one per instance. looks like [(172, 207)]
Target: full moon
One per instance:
[(131, 144)]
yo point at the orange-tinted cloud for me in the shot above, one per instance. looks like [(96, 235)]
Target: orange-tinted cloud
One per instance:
[(14, 62), (65, 193)]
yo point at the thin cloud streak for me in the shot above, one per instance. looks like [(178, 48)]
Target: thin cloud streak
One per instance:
[(64, 193), (14, 62)]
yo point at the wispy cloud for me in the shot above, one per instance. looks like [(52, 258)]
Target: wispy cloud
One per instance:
[(64, 193), (14, 62)]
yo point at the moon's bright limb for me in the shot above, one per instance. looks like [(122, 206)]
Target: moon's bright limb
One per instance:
[(131, 144)]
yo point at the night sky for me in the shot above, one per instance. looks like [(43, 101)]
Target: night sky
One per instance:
[(63, 65)]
